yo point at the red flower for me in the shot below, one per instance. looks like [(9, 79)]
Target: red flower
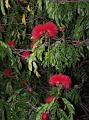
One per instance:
[(7, 72), (59, 79), (49, 99), (49, 28), (29, 89), (37, 31), (11, 43), (45, 116), (25, 55)]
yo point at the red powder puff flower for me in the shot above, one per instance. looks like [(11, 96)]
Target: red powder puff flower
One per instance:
[(29, 89), (59, 79), (49, 99), (37, 32), (11, 43), (51, 29), (7, 72), (45, 116), (25, 55)]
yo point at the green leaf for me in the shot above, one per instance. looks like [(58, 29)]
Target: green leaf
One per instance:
[(24, 19), (30, 61), (63, 115), (73, 95), (70, 108), (43, 108), (7, 4), (40, 51), (2, 7), (9, 89)]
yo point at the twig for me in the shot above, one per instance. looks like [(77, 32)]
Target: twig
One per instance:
[(34, 107), (21, 50)]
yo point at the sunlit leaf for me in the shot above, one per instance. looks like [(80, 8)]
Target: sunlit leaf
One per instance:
[(28, 8), (2, 7), (7, 4), (37, 74), (24, 19)]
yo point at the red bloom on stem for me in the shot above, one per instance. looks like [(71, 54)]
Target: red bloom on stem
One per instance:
[(59, 79), (49, 99), (25, 55), (29, 89), (49, 28), (45, 116), (7, 72), (11, 43), (37, 32)]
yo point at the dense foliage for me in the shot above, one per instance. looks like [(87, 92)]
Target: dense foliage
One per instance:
[(44, 52)]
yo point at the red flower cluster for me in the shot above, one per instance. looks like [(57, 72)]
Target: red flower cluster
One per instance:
[(25, 55), (60, 79), (49, 99), (11, 43), (50, 29), (7, 72), (37, 32), (45, 116)]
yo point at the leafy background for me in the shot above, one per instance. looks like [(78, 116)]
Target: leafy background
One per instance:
[(18, 17)]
